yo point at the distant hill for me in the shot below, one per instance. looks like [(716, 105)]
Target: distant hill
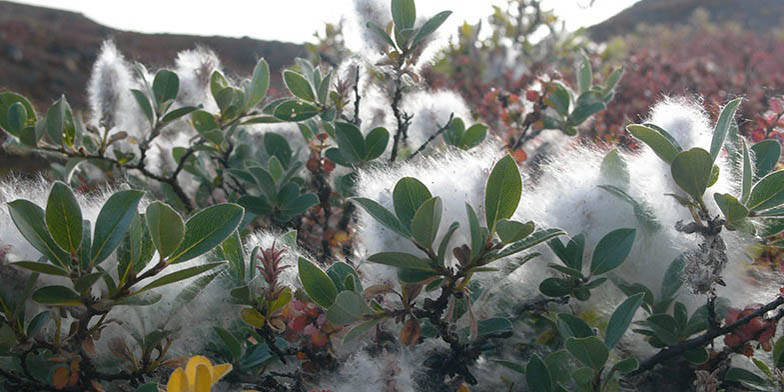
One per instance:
[(760, 15), (45, 52)]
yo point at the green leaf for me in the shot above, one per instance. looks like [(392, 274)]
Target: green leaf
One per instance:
[(298, 85), (473, 136), (17, 118), (403, 14), (430, 27), (177, 113), (743, 375), (401, 260), (427, 219), (732, 209), (381, 33), (360, 329), (697, 355), (376, 143), (64, 217), (277, 146), (766, 156), (350, 141), (207, 229), (230, 342), (167, 229), (621, 318), (612, 250), (348, 307), (691, 170), (673, 278), (571, 254), (664, 327), (55, 120), (85, 282), (537, 375), (584, 75), (454, 133), (768, 192), (165, 87), (723, 126), (477, 239), (8, 99), (408, 195), (615, 170), (338, 272), (182, 274), (57, 295), (37, 323), (660, 144), (571, 326), (381, 214), (503, 191), (627, 365), (584, 377), (778, 353), (259, 84), (590, 351), (555, 287), (316, 283), (510, 231), (43, 268), (294, 110), (747, 174), (528, 242), (558, 98), (112, 223), (144, 105), (29, 220)]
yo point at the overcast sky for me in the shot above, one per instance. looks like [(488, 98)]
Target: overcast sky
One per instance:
[(287, 20)]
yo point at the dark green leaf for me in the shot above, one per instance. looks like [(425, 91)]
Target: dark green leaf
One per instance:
[(427, 219), (409, 194), (401, 260), (165, 87), (57, 295), (259, 84), (537, 375), (430, 27), (621, 319), (768, 192), (347, 308), (317, 283), (166, 227), (112, 223), (381, 214), (294, 110), (503, 191), (207, 229), (691, 170), (612, 250), (660, 144), (766, 156), (64, 217), (376, 143), (299, 86), (511, 231), (590, 351), (29, 220)]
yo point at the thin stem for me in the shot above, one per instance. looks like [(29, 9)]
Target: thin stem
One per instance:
[(432, 137)]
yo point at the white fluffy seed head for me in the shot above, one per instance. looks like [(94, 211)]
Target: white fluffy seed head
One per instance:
[(109, 91), (194, 68)]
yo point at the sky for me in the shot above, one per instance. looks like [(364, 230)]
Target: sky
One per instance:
[(289, 20)]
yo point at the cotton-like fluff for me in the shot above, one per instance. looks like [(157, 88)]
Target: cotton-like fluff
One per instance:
[(567, 196), (458, 177), (194, 68), (109, 92), (431, 111), (359, 37), (386, 372)]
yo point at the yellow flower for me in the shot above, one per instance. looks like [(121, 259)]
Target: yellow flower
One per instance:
[(199, 375)]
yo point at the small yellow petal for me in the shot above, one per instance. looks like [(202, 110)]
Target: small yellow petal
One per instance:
[(203, 379), (190, 368), (218, 371), (177, 382)]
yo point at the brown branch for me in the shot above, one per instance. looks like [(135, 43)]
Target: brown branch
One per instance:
[(704, 339), (432, 137)]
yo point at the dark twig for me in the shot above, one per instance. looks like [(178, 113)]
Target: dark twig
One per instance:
[(357, 121), (432, 137), (674, 351)]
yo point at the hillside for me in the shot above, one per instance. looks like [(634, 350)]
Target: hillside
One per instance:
[(759, 15), (45, 52)]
